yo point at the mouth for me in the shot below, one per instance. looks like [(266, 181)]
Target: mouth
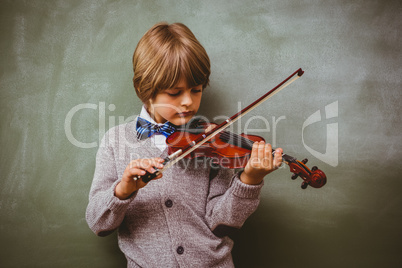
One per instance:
[(185, 114)]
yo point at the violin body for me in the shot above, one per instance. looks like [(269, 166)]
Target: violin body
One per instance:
[(222, 153)]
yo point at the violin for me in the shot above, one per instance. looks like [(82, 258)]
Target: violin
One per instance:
[(232, 150)]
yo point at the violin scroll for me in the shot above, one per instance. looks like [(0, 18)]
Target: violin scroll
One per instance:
[(315, 177)]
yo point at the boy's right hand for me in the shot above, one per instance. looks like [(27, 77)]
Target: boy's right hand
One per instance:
[(127, 186)]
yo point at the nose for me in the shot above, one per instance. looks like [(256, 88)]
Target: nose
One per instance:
[(186, 99)]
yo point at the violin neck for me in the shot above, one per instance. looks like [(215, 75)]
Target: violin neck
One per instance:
[(245, 143), (286, 158)]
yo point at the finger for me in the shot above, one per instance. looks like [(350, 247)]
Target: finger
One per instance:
[(267, 156), (159, 160), (159, 163), (150, 169), (159, 176), (261, 150), (268, 151), (133, 173), (254, 150), (278, 158), (146, 163), (141, 183), (138, 163), (155, 164)]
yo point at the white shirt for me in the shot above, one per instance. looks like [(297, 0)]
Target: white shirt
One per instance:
[(158, 139)]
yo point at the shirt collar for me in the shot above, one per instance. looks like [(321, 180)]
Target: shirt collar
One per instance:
[(144, 114)]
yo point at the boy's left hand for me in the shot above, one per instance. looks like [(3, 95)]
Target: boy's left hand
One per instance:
[(261, 163)]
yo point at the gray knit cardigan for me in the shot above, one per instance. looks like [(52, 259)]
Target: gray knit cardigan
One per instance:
[(176, 221)]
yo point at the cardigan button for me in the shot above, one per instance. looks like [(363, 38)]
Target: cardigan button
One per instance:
[(180, 250), (169, 203)]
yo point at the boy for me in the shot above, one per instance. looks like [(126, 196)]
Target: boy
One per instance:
[(182, 219)]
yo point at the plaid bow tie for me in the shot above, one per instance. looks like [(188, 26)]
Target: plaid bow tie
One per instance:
[(145, 129)]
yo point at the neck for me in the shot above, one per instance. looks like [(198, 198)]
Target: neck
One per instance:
[(157, 120)]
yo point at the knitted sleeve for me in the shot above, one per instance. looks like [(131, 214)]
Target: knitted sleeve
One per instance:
[(230, 201), (105, 212)]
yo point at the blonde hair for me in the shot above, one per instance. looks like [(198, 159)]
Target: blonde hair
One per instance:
[(166, 54)]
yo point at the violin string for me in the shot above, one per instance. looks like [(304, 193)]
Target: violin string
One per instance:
[(236, 140), (243, 142)]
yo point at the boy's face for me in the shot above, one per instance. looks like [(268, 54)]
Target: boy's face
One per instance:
[(176, 105)]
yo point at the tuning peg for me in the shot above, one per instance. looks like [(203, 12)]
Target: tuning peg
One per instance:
[(304, 185), (294, 176), (314, 168), (304, 161)]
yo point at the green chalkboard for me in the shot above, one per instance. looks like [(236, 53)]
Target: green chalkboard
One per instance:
[(66, 77)]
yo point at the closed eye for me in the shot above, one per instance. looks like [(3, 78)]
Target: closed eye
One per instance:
[(174, 94)]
